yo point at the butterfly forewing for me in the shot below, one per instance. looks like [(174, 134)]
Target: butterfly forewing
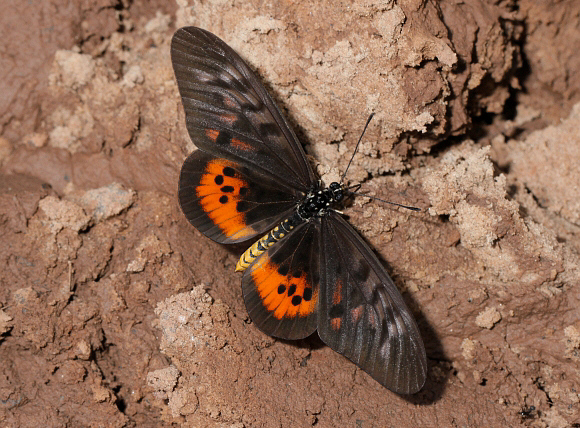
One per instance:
[(230, 114), (281, 287), (362, 314)]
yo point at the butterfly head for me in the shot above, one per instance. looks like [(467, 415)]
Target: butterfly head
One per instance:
[(336, 191)]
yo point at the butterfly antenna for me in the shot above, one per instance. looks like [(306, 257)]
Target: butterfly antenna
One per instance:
[(357, 186), (356, 148), (385, 201)]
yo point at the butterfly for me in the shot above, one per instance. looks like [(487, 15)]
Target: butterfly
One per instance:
[(310, 270)]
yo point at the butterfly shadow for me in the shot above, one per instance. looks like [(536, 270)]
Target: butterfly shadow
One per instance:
[(437, 380)]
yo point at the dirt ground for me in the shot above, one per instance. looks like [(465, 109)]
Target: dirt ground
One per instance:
[(115, 312)]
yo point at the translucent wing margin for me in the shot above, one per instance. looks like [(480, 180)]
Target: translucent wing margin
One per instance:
[(361, 313)]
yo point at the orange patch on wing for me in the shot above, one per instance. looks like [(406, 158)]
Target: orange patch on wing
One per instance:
[(212, 134), (230, 102), (239, 144), (337, 294), (372, 319), (335, 323), (280, 293), (229, 118), (219, 192), (356, 313)]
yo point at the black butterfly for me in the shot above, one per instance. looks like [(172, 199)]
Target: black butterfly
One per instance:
[(250, 175)]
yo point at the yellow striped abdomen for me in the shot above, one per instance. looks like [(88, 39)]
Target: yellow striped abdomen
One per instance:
[(266, 242)]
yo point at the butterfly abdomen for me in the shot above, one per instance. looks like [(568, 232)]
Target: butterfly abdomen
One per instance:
[(266, 241), (315, 204)]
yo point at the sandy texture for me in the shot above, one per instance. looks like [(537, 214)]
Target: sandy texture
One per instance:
[(114, 311)]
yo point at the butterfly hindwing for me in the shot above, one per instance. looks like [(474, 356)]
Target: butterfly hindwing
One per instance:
[(281, 287), (229, 202), (362, 315), (230, 114)]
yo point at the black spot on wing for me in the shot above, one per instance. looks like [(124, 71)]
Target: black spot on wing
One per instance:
[(224, 138), (361, 273), (296, 300), (219, 180), (269, 130), (229, 171), (356, 298), (336, 311)]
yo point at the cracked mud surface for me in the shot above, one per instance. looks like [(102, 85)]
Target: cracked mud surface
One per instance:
[(114, 311)]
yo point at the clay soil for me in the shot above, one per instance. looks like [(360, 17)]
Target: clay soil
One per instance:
[(115, 311)]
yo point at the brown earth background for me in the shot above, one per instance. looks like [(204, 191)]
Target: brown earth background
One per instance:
[(115, 312)]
